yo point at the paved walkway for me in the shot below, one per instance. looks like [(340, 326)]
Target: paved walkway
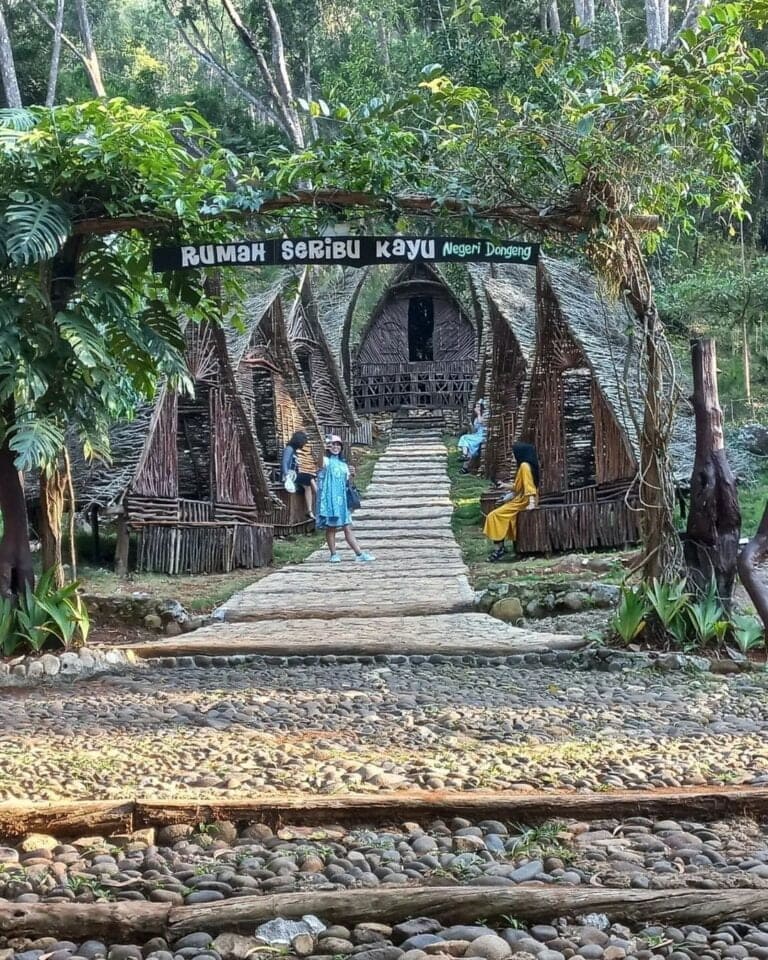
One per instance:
[(414, 599), (405, 521)]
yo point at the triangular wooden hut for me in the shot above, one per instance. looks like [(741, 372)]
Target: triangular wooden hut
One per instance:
[(418, 348), (566, 377), (319, 369), (186, 475), (275, 398)]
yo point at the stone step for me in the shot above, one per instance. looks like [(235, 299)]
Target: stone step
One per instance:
[(459, 634)]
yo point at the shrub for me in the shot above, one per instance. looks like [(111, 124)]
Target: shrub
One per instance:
[(43, 616)]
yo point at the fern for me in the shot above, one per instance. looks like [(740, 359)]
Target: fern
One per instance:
[(36, 228)]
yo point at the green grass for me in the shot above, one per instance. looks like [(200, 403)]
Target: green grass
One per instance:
[(467, 521)]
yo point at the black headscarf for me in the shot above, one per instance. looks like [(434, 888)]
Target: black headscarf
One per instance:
[(526, 453)]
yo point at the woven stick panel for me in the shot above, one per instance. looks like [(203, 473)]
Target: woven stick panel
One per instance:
[(507, 376), (203, 548), (584, 526), (158, 469), (389, 386)]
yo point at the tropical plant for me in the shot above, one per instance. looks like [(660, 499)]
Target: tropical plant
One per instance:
[(85, 331), (667, 599), (747, 632), (631, 613), (41, 615), (705, 614)]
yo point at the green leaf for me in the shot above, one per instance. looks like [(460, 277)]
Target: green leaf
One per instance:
[(36, 229)]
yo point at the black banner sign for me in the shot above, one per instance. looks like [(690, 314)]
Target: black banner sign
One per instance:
[(344, 251)]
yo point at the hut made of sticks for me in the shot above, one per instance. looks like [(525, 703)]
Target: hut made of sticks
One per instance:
[(186, 475), (318, 366), (418, 348), (566, 376), (275, 397)]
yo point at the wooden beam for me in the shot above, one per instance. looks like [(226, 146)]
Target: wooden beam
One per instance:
[(120, 922), (75, 818), (563, 220)]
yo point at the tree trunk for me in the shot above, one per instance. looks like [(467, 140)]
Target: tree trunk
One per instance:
[(7, 66), (585, 12), (53, 486), (653, 37), (747, 361), (122, 547), (751, 558), (91, 59), (714, 522), (656, 489), (694, 10), (72, 508), (15, 555), (53, 75)]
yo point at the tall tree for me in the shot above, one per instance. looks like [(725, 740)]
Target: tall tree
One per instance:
[(87, 56), (7, 65), (53, 74)]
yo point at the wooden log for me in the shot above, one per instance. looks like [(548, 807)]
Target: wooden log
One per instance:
[(124, 922), (137, 922), (751, 559), (65, 819), (711, 545), (122, 547), (78, 818), (465, 904)]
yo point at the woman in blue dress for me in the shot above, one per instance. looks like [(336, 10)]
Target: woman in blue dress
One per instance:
[(333, 513), (469, 444)]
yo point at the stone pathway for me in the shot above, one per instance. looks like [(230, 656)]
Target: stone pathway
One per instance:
[(414, 599), (405, 521)]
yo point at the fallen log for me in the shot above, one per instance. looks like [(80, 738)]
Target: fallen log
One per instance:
[(123, 922), (132, 922), (466, 904)]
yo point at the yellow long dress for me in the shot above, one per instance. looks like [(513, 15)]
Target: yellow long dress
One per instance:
[(501, 523)]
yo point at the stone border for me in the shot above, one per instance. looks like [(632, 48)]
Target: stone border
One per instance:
[(68, 664), (93, 660)]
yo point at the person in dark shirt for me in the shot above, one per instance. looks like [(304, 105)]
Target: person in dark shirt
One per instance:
[(292, 476)]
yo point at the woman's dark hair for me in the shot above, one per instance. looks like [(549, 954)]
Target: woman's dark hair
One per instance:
[(526, 453), (298, 440)]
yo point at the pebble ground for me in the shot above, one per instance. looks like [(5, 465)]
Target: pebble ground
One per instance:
[(331, 728)]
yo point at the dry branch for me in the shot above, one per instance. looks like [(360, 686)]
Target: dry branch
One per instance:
[(521, 214)]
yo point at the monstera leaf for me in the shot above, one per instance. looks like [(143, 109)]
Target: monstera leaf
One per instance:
[(35, 228), (14, 122)]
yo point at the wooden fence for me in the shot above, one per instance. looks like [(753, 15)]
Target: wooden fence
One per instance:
[(378, 387)]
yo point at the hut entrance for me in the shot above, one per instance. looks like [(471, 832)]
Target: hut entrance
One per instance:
[(304, 359), (193, 444), (578, 428), (264, 413), (421, 329)]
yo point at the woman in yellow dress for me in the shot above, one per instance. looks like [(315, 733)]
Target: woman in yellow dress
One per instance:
[(501, 523)]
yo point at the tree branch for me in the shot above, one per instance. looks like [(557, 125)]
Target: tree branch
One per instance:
[(206, 56), (282, 98), (563, 220)]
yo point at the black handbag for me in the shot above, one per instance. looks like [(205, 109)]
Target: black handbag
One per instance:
[(353, 496)]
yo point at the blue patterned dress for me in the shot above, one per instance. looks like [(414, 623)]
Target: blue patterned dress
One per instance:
[(332, 509)]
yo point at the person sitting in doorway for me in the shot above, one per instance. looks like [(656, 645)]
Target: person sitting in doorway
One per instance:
[(293, 479), (501, 523), (470, 444)]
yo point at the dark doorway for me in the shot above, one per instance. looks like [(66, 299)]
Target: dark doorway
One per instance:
[(264, 413), (305, 365), (579, 428), (421, 328), (193, 442)]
